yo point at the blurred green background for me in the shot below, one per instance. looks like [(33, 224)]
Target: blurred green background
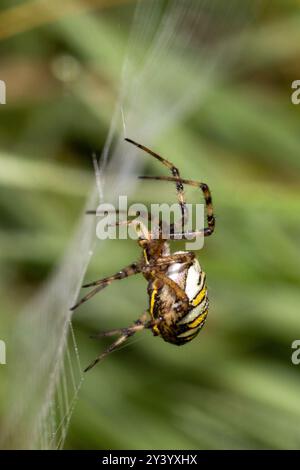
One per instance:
[(235, 385)]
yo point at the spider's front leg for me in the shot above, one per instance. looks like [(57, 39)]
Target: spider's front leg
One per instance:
[(207, 231)]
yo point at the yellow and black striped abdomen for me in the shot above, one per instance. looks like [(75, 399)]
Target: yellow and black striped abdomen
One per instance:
[(190, 325), (179, 327)]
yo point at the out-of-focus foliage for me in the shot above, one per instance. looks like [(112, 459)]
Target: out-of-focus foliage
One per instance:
[(235, 386)]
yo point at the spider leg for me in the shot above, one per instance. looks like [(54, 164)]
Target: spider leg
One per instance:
[(117, 211), (179, 292), (182, 258), (120, 331), (95, 212), (130, 270), (142, 322), (140, 228), (153, 270), (145, 215), (103, 334), (207, 197), (100, 284), (139, 325), (175, 172)]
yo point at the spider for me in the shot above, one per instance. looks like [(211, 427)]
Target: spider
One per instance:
[(178, 301)]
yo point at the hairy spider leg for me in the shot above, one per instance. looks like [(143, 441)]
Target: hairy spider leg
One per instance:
[(145, 216), (141, 323), (130, 270), (117, 211), (134, 268), (207, 197), (175, 172), (125, 333), (141, 229)]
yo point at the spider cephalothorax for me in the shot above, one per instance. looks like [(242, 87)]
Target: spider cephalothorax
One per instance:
[(178, 302)]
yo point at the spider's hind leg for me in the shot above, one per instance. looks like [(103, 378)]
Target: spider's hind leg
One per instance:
[(124, 333)]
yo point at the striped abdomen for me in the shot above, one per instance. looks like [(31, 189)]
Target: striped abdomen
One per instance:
[(195, 287), (179, 327)]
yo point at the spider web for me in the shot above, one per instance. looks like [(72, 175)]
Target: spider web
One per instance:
[(156, 91)]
